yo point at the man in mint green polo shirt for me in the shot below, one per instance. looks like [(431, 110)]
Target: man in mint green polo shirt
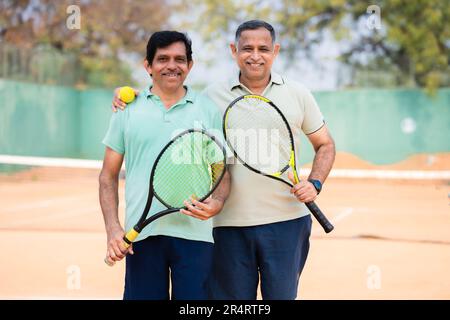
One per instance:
[(177, 245)]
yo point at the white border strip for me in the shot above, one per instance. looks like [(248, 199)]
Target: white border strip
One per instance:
[(335, 173), (386, 174), (51, 162), (57, 298)]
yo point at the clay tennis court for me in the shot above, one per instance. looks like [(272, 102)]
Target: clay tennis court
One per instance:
[(391, 237)]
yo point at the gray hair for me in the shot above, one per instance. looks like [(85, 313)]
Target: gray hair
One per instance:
[(253, 25)]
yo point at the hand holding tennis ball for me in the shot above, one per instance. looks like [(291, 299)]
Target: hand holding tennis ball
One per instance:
[(126, 94), (122, 96)]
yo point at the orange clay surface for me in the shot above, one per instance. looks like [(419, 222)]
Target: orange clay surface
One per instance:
[(391, 238)]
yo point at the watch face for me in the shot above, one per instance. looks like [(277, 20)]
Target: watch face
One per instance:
[(317, 185)]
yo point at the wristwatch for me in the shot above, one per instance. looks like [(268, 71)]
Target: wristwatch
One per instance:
[(317, 185)]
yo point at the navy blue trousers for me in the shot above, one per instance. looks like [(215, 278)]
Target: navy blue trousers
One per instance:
[(275, 253), (158, 258)]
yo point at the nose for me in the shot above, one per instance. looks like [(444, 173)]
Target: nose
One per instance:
[(171, 64), (255, 54)]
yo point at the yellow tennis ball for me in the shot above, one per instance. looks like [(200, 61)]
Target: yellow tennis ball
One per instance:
[(126, 94)]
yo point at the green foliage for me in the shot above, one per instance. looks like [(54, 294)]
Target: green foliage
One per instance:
[(108, 29), (107, 72), (412, 46)]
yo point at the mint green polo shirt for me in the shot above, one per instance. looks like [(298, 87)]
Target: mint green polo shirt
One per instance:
[(139, 133)]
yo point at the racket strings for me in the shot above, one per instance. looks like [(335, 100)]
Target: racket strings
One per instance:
[(258, 135), (188, 168)]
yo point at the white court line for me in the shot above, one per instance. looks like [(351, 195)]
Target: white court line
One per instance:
[(335, 173), (45, 203), (346, 212), (386, 174), (51, 162), (343, 214), (62, 214)]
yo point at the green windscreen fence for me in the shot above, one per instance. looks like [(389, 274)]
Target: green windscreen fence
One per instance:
[(387, 126), (51, 121), (380, 126), (39, 120)]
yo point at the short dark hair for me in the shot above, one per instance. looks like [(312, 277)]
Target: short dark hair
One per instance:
[(253, 25), (163, 39)]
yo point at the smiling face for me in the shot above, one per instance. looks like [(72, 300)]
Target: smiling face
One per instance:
[(255, 53), (169, 67)]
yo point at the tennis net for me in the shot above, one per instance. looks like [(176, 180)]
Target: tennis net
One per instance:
[(22, 165)]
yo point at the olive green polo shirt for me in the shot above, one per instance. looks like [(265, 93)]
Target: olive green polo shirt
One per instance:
[(255, 199)]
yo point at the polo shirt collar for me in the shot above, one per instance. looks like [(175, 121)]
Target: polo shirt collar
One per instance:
[(275, 78), (188, 97)]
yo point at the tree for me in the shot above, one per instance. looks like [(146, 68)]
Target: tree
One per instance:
[(412, 45), (108, 29)]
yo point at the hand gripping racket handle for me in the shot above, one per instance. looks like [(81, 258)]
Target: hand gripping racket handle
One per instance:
[(108, 262), (326, 225), (312, 206), (127, 241)]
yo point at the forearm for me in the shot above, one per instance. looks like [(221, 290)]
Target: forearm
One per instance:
[(223, 189), (323, 162), (109, 200)]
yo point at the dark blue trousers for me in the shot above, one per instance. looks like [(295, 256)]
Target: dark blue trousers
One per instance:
[(157, 258), (275, 253)]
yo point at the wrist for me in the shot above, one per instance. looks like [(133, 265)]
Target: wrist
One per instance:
[(218, 198), (113, 226), (219, 204)]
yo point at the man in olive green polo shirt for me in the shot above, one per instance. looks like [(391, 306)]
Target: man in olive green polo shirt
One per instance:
[(262, 234), (175, 246), (263, 231)]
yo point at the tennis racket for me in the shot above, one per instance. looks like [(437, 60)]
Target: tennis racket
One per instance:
[(191, 164), (260, 137)]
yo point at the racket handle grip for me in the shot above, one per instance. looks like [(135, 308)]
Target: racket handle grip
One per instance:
[(320, 217)]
